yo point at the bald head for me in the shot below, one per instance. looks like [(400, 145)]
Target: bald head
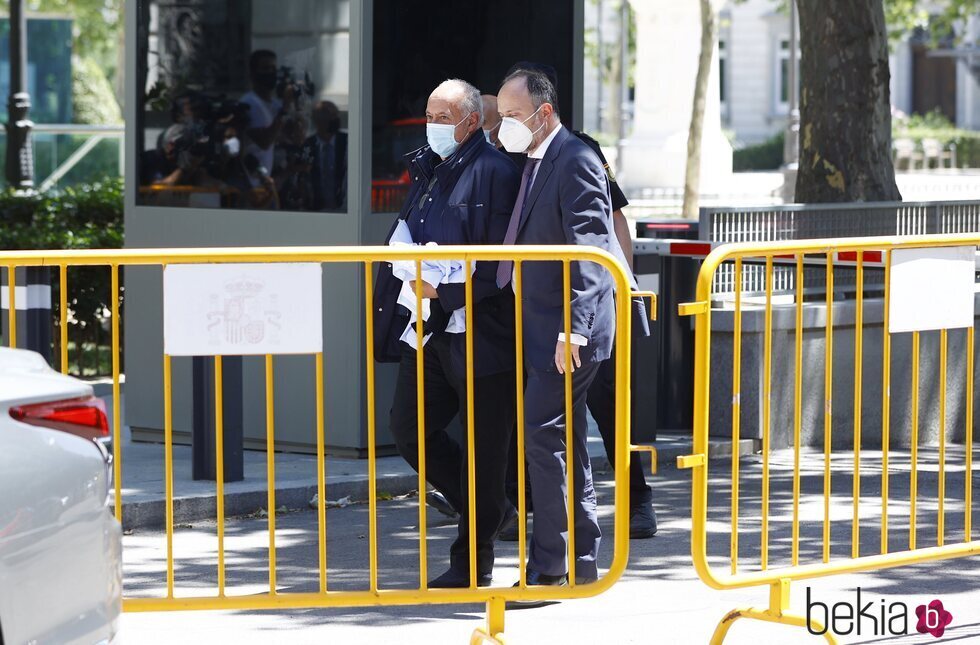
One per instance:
[(491, 119), (457, 103), (529, 97)]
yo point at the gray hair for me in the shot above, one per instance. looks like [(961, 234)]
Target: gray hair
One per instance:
[(470, 98)]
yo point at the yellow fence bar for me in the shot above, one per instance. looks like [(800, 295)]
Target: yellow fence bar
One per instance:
[(968, 493), (941, 519), (12, 300), (116, 391), (569, 422), (886, 401), (372, 429), (470, 424), (321, 475), (521, 470), (798, 406), (219, 465), (914, 473), (766, 415), (736, 410), (168, 467), (270, 464), (63, 323), (420, 423), (828, 405), (858, 378)]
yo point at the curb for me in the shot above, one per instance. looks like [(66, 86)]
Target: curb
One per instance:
[(152, 513)]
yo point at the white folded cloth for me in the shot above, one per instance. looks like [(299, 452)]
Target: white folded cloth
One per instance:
[(434, 272)]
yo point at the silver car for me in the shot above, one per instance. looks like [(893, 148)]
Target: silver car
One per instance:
[(60, 547)]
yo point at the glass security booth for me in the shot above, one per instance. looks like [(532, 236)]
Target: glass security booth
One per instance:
[(285, 123)]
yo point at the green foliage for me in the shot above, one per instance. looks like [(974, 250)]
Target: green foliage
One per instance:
[(967, 142), (97, 26), (934, 125), (764, 156), (903, 16), (92, 95), (934, 120), (84, 217), (96, 22)]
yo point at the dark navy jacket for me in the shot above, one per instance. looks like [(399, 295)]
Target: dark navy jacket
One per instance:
[(569, 204), (469, 202)]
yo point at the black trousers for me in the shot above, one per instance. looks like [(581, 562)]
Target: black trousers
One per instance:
[(602, 405), (445, 458)]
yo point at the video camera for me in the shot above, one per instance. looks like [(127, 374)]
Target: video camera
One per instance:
[(206, 118), (287, 80)]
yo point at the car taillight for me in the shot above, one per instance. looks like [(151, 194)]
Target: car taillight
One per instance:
[(85, 417)]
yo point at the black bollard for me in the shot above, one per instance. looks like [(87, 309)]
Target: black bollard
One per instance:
[(204, 452), (33, 302)]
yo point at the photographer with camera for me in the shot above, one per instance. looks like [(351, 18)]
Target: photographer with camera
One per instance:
[(266, 110)]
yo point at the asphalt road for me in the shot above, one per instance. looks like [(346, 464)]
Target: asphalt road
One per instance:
[(659, 600)]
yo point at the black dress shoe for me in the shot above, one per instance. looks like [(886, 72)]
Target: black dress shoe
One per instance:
[(438, 501), (538, 580), (508, 525), (456, 579), (543, 580), (643, 520)]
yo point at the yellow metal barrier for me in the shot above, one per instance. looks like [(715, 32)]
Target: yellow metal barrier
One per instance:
[(373, 595), (779, 578)]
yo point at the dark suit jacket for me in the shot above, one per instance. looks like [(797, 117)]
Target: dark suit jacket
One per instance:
[(474, 194), (339, 198), (569, 204), (641, 321)]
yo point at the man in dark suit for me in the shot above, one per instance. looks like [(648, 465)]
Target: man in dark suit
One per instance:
[(463, 192), (327, 152), (602, 394), (564, 199)]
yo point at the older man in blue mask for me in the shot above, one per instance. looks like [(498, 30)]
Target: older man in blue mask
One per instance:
[(463, 192)]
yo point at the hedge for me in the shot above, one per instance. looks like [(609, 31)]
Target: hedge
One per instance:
[(84, 217), (967, 142), (764, 156), (769, 154)]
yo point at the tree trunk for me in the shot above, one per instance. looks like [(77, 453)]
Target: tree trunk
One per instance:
[(692, 180), (845, 105)]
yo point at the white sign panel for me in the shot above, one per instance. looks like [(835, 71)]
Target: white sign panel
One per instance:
[(932, 289), (242, 309)]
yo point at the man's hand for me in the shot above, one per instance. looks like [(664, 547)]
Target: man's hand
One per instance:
[(560, 357), (428, 291)]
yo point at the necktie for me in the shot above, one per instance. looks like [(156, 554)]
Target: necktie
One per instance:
[(506, 267)]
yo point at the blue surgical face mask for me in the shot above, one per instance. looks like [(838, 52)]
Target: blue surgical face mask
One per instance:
[(442, 138), (488, 134)]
